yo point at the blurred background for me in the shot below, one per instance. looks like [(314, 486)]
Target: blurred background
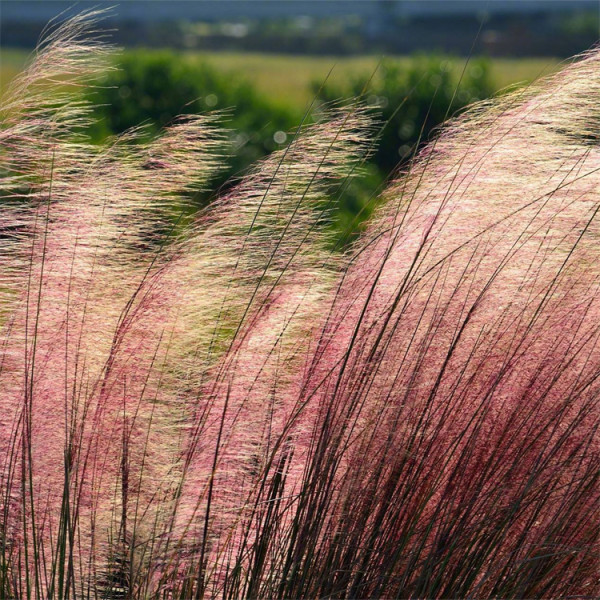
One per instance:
[(276, 63)]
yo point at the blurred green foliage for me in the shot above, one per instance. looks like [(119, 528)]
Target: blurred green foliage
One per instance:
[(410, 100), (156, 87), (582, 24)]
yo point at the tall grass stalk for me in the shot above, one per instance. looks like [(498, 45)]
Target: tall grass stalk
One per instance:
[(227, 408)]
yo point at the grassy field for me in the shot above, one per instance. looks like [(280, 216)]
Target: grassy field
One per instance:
[(287, 79)]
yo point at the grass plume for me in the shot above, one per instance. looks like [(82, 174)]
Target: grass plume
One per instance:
[(224, 407)]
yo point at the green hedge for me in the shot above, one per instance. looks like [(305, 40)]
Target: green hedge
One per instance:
[(154, 87), (411, 102)]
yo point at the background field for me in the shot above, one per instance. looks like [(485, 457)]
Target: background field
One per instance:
[(287, 79)]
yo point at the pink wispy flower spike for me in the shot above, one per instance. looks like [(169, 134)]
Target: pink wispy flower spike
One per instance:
[(86, 423), (97, 388), (461, 356), (264, 242)]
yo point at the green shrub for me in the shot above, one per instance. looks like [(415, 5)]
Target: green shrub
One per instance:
[(154, 87), (413, 101)]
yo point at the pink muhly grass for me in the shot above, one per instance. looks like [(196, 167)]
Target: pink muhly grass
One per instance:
[(229, 409), (460, 356)]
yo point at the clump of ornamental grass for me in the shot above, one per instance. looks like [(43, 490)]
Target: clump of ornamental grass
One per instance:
[(227, 408)]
